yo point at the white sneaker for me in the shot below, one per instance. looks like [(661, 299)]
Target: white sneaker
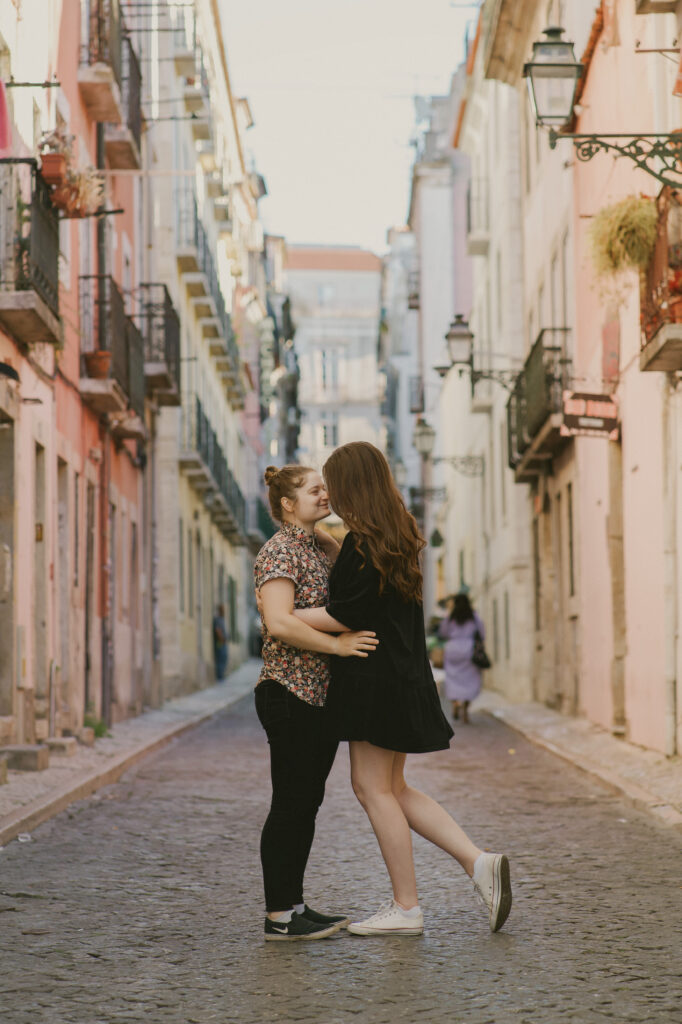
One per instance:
[(390, 919), (493, 886)]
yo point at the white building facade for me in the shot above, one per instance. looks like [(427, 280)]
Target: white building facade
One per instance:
[(335, 306)]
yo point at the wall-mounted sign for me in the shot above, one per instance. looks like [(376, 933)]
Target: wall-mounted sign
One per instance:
[(589, 415)]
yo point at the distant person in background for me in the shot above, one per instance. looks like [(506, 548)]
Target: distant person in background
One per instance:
[(220, 638), (463, 678)]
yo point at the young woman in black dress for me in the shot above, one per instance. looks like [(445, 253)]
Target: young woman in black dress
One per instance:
[(387, 705)]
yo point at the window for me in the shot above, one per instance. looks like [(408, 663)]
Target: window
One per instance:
[(554, 292), (498, 262), (76, 522), (461, 567), (507, 636), (330, 369), (190, 575), (536, 571), (503, 470), (496, 647), (571, 563), (232, 602), (564, 281), (330, 430), (181, 567)]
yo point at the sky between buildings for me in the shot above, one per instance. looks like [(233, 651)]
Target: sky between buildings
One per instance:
[(331, 86)]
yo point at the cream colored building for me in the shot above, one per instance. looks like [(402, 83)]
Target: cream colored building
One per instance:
[(206, 239), (335, 294)]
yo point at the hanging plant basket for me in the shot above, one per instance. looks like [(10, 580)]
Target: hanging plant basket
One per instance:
[(53, 168), (623, 235)]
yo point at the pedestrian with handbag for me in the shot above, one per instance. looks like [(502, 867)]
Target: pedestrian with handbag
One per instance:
[(387, 706), (463, 635)]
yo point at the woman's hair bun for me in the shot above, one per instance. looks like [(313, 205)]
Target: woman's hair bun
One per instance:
[(269, 475)]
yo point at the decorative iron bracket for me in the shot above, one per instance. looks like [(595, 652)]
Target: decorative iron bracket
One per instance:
[(642, 149), (506, 378), (430, 493), (468, 465)]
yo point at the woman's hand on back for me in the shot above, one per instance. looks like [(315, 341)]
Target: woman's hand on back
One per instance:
[(357, 645)]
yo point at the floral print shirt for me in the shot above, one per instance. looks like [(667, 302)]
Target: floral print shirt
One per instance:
[(294, 555)]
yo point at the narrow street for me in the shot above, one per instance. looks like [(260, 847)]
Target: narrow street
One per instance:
[(144, 902)]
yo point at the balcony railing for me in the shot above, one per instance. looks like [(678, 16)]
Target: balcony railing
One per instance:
[(416, 388), (161, 332), (204, 460), (661, 291), (478, 219), (29, 255), (195, 255), (535, 406), (413, 290), (100, 72), (124, 141), (105, 328)]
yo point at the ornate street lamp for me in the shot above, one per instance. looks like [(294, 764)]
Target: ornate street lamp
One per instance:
[(424, 437), (460, 343), (553, 75), (400, 473)]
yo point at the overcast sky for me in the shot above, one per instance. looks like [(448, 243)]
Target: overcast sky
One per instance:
[(331, 86)]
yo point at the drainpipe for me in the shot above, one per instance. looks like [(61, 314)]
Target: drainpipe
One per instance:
[(671, 570), (105, 553)]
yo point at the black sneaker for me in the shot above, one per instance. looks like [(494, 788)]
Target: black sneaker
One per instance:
[(317, 918), (298, 928)]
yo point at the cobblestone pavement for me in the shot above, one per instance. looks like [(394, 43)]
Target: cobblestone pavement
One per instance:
[(143, 903)]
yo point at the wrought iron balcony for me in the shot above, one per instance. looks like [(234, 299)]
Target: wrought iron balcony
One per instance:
[(661, 290), (535, 406), (478, 221), (183, 37), (123, 142), (100, 71), (112, 352), (29, 256), (203, 460), (261, 525), (161, 332), (413, 299)]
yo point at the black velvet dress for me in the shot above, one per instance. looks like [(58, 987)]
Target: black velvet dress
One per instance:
[(390, 698)]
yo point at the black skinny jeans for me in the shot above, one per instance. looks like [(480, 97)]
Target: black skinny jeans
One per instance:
[(301, 756)]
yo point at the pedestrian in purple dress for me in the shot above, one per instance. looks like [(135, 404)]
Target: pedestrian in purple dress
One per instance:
[(462, 677)]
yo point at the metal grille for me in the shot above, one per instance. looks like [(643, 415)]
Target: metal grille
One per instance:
[(103, 45), (29, 234)]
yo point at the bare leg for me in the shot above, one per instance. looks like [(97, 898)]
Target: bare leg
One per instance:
[(455, 709), (430, 820), (372, 770)]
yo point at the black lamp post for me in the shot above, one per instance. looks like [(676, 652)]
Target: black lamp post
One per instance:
[(552, 75), (460, 342)]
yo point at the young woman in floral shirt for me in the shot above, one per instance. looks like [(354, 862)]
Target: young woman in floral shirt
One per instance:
[(292, 572)]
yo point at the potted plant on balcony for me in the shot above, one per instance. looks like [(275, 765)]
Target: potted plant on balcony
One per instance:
[(623, 236), (56, 156), (97, 363)]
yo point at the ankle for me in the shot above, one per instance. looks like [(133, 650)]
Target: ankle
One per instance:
[(407, 906)]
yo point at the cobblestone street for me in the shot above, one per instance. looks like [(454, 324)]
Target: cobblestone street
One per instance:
[(144, 902)]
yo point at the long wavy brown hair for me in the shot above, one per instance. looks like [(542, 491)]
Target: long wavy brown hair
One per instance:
[(363, 493)]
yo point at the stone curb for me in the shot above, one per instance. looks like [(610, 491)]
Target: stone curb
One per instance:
[(28, 817), (637, 796)]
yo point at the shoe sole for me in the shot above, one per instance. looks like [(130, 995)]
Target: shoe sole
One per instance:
[(323, 934), (355, 929), (502, 883)]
